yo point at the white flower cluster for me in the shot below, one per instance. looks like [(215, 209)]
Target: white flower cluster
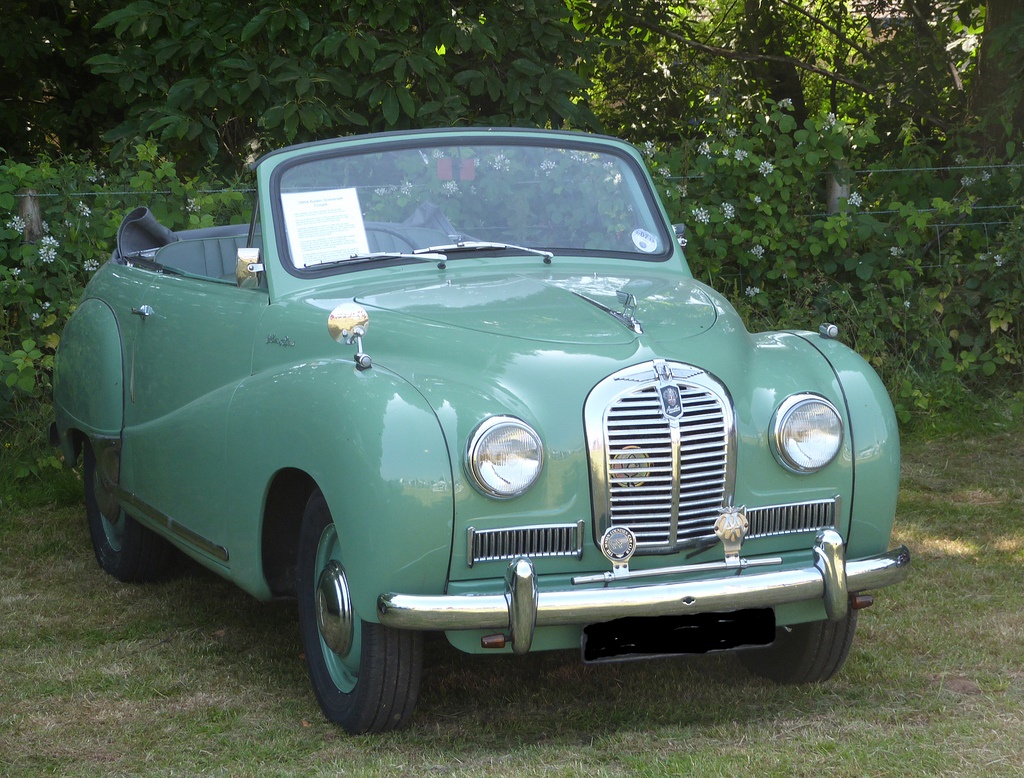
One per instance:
[(758, 251), (83, 210), (450, 188), (855, 199), (191, 206), (895, 251), (728, 210), (701, 215), (740, 155), (16, 223), (649, 148), (705, 149), (766, 168), (48, 246), (753, 291), (786, 103), (501, 163), (91, 265), (664, 172), (547, 166), (830, 121)]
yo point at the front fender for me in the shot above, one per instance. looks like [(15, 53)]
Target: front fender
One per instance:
[(374, 447), (88, 376), (875, 438)]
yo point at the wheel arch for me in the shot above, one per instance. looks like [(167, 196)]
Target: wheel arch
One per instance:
[(287, 496)]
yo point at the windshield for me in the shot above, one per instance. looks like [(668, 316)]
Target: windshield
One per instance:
[(467, 200)]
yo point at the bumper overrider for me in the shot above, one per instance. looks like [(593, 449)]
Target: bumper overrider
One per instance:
[(523, 607)]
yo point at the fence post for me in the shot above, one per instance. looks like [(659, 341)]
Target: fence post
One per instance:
[(837, 185), (28, 210)]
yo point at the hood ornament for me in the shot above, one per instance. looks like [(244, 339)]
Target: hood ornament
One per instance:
[(347, 324), (626, 315)]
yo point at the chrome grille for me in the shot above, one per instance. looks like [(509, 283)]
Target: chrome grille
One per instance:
[(548, 540), (664, 478), (786, 519)]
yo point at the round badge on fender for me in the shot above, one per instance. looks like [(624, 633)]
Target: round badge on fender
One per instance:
[(618, 544)]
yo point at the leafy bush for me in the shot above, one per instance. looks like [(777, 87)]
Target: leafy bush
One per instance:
[(41, 279), (223, 79), (902, 262)]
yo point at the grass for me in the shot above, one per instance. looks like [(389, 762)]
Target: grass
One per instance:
[(190, 676)]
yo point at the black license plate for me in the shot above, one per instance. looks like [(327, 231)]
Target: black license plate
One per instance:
[(700, 633)]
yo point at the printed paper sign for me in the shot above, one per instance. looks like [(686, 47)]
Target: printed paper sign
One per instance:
[(323, 226)]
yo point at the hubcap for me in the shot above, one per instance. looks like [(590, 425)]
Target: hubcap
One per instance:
[(334, 612)]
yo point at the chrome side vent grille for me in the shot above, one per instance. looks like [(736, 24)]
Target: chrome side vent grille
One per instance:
[(660, 438), (549, 540), (787, 519)]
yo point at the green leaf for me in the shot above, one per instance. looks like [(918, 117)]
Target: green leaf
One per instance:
[(390, 107)]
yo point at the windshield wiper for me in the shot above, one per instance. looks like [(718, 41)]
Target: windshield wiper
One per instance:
[(375, 256), (481, 245)]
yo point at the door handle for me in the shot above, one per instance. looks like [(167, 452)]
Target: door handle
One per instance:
[(143, 311)]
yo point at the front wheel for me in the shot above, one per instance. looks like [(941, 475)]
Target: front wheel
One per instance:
[(366, 677), (804, 653), (124, 548)]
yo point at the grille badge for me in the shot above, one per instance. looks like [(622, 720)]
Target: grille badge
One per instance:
[(670, 401), (731, 528), (618, 545)]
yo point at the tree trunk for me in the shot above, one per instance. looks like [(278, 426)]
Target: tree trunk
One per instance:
[(997, 90)]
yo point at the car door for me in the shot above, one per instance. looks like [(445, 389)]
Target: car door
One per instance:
[(191, 346)]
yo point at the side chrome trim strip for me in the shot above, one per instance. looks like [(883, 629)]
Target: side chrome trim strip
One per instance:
[(134, 505)]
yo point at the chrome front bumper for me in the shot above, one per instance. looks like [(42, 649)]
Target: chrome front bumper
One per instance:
[(522, 608)]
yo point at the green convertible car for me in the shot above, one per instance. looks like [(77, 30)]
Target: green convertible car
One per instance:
[(463, 381)]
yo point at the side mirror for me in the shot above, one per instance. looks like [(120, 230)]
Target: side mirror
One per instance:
[(248, 268), (680, 231)]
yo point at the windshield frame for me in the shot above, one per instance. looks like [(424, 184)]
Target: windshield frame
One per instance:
[(456, 138)]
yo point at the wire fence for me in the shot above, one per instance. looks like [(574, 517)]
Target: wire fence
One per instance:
[(986, 217)]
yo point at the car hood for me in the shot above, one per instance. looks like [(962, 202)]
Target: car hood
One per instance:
[(553, 308)]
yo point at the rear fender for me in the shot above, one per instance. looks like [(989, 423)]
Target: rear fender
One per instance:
[(88, 380)]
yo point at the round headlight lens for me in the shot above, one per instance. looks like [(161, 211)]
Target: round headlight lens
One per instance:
[(808, 433), (504, 457)]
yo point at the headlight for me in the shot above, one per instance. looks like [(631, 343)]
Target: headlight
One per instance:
[(807, 433), (504, 457)]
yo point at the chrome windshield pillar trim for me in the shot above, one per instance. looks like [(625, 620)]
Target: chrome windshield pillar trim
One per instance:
[(830, 559), (828, 583), (521, 592)]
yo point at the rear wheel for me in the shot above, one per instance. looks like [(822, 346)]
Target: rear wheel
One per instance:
[(124, 548), (366, 677), (804, 653)]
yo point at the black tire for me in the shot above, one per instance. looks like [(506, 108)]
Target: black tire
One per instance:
[(124, 548), (370, 684), (804, 653)]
